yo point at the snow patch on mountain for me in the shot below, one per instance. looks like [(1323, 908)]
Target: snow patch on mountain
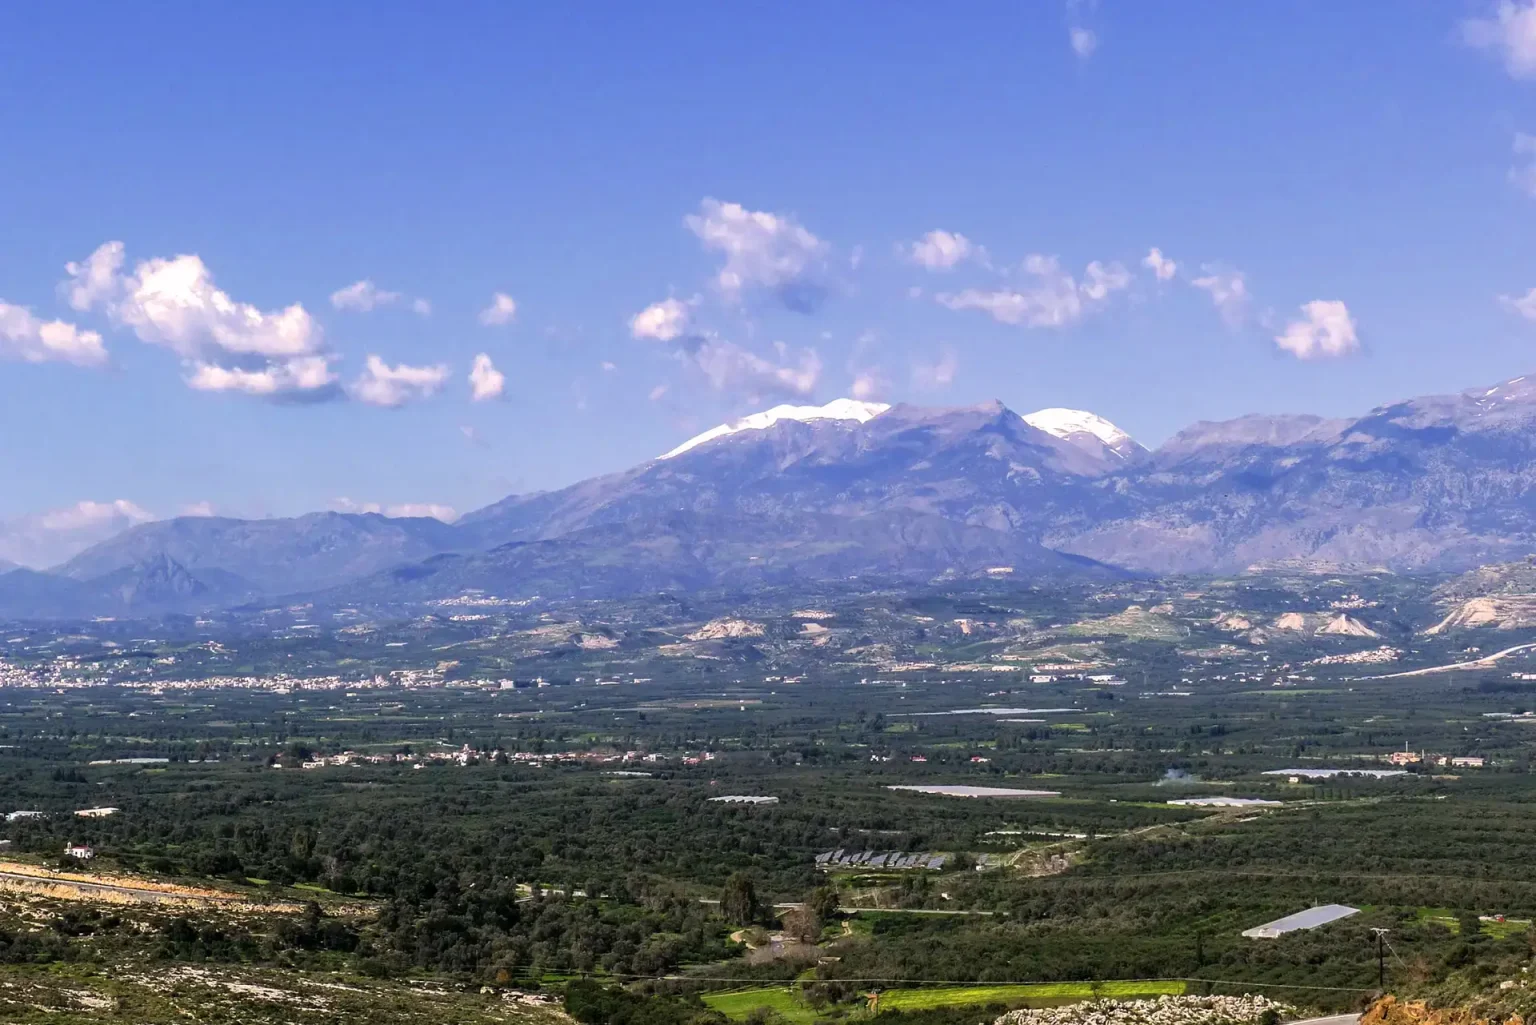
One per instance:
[(837, 409), (1067, 423)]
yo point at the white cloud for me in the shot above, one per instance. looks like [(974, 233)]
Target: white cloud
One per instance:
[(1511, 31), (1083, 39), (1052, 299), (383, 385), (363, 296), (1325, 330), (403, 510), (91, 514), (25, 337), (937, 375), (228, 345), (657, 393), (662, 322), (485, 381), (765, 251), (95, 280), (1524, 305), (1162, 268), (609, 367), (422, 510), (729, 367), (176, 304), (199, 509), (421, 307), (942, 250), (302, 375), (869, 384), (1099, 280), (1228, 290), (502, 310), (45, 539)]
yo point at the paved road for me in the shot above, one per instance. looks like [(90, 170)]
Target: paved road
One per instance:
[(1337, 1019), (1476, 663), (913, 911)]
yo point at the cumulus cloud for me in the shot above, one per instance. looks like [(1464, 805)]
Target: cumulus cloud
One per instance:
[(198, 509), (662, 321), (1051, 298), (94, 280), (1325, 330), (942, 250), (421, 307), (41, 540), (296, 378), (403, 510), (90, 514), (25, 337), (1525, 305), (1082, 39), (1228, 290), (1162, 268), (730, 368), (383, 385), (363, 296), (502, 310), (937, 375), (1099, 280), (869, 384), (1510, 32), (485, 381), (763, 251), (227, 345)]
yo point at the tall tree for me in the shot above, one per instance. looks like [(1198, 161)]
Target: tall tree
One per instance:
[(738, 901)]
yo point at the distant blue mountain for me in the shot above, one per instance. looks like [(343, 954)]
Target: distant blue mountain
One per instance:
[(874, 493)]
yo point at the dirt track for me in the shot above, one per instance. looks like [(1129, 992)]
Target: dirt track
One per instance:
[(112, 890)]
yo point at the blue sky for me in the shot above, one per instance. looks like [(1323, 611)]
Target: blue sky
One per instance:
[(772, 170)]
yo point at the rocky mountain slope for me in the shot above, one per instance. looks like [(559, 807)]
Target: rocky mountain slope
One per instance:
[(269, 556), (862, 490)]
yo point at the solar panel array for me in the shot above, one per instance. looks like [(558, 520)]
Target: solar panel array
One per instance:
[(899, 860)]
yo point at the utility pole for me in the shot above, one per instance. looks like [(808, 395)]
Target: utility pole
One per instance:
[(1381, 959)]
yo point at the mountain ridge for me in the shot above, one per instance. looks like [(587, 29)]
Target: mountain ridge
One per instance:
[(868, 491)]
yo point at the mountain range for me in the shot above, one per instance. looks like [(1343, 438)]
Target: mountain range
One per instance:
[(869, 491)]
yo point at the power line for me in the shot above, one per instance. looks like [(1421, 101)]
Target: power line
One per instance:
[(918, 983), (1381, 958)]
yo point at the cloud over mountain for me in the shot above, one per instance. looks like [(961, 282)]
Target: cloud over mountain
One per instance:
[(765, 252)]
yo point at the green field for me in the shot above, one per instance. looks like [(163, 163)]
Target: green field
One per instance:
[(737, 1005), (1449, 919), (779, 999), (958, 996)]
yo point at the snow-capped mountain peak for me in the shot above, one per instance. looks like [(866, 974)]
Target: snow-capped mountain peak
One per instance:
[(1070, 424), (837, 409)]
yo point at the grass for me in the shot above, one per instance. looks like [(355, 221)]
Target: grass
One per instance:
[(780, 999), (739, 1004), (1053, 992), (1450, 919)]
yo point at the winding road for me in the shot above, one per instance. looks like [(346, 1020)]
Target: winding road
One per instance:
[(1476, 663)]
